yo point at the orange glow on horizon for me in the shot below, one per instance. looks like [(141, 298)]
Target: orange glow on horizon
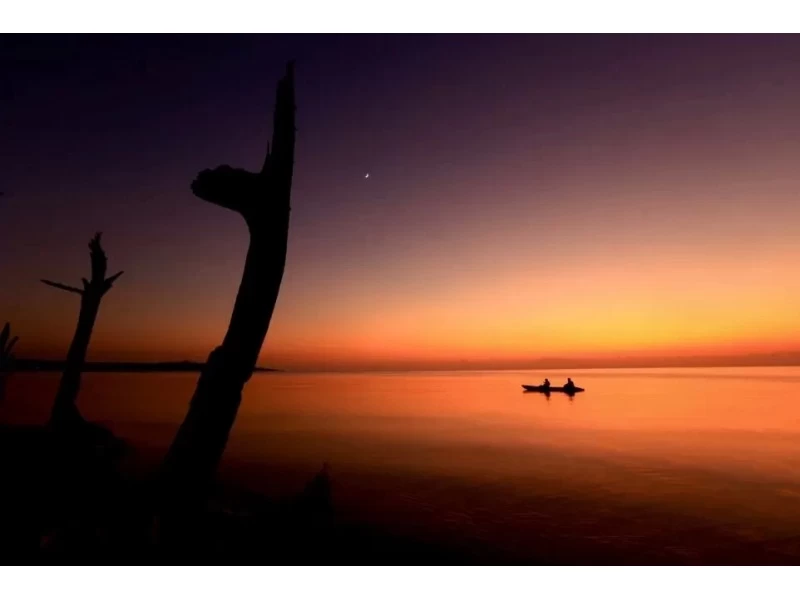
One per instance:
[(612, 309)]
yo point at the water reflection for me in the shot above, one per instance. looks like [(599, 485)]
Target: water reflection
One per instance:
[(721, 444)]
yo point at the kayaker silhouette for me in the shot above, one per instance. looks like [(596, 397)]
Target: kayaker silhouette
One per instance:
[(570, 385), (546, 383)]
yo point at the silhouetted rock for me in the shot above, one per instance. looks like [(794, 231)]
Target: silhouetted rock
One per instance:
[(316, 500)]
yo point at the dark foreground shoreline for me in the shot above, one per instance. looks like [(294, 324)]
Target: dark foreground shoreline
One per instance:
[(90, 501)]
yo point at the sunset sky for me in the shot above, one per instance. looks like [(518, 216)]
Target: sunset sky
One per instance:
[(578, 198)]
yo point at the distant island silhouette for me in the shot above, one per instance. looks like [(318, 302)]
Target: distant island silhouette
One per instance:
[(53, 365)]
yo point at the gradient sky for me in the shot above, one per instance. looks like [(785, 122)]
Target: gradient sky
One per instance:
[(606, 198)]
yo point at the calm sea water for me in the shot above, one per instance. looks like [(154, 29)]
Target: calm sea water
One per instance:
[(672, 465)]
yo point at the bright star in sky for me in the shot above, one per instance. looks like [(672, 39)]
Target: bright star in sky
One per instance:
[(366, 176)]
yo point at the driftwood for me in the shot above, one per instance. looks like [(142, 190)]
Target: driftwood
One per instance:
[(65, 410), (262, 199)]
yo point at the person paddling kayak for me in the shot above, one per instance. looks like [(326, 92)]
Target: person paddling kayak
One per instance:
[(570, 385)]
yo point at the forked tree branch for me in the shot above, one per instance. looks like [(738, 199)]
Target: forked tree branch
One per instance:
[(99, 284)]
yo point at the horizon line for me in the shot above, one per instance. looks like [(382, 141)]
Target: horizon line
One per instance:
[(516, 369), (790, 359)]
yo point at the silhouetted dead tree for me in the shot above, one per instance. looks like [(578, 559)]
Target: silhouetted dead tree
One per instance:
[(65, 411), (6, 357), (263, 201)]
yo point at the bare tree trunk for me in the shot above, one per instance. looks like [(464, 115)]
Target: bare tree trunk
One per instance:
[(65, 412), (263, 200)]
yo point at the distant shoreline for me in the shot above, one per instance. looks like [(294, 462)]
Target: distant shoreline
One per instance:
[(47, 365), (532, 368)]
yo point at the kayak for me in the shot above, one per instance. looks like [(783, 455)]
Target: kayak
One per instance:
[(569, 391)]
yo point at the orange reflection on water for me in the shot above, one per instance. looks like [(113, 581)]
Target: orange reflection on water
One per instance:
[(640, 454), (756, 409)]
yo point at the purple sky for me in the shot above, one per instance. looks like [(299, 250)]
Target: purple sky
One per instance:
[(494, 161)]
